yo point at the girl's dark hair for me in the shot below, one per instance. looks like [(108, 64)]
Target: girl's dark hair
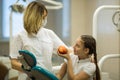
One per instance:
[(90, 42)]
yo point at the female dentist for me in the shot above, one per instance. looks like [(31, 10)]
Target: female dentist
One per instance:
[(35, 38)]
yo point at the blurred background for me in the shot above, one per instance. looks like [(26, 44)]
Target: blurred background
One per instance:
[(68, 19)]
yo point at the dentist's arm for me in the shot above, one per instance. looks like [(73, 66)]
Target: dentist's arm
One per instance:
[(16, 65)]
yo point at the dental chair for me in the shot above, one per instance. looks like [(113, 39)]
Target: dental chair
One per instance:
[(34, 72)]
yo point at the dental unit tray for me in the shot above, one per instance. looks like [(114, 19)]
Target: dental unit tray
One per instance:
[(34, 72)]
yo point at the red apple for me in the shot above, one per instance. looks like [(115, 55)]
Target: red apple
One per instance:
[(62, 50)]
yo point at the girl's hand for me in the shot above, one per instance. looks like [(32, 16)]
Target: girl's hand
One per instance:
[(63, 52), (64, 55), (62, 49)]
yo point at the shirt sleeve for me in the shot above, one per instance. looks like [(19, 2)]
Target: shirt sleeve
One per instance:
[(15, 46), (56, 41), (90, 69)]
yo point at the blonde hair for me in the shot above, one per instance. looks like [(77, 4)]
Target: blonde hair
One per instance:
[(33, 16)]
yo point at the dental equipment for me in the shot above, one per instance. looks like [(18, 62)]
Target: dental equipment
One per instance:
[(56, 5), (104, 58), (116, 21), (95, 17), (34, 72)]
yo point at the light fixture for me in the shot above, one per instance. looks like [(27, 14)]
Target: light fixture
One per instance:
[(53, 4)]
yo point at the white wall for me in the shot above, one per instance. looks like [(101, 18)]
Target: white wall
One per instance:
[(77, 19)]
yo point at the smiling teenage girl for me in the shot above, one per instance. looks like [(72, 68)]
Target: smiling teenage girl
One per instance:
[(82, 64)]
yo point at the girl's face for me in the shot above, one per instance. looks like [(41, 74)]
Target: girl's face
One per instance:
[(80, 50)]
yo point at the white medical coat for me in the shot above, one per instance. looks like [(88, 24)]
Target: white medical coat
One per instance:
[(41, 45)]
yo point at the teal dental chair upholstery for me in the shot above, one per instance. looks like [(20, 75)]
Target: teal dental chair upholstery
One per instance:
[(34, 72)]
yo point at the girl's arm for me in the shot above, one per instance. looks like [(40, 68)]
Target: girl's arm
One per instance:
[(62, 71), (71, 76)]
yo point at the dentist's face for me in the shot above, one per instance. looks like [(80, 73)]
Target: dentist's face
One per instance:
[(45, 14), (44, 22)]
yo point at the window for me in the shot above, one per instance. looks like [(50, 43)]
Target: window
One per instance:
[(14, 23)]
